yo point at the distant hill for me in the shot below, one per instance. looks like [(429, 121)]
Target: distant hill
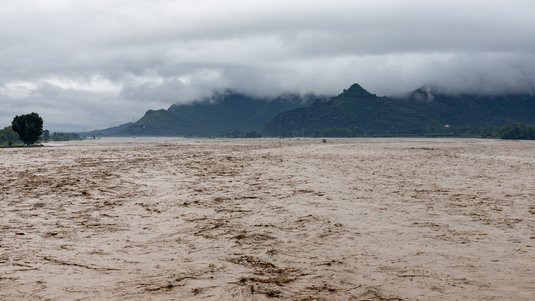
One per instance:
[(425, 111), (224, 114), (471, 110), (355, 112)]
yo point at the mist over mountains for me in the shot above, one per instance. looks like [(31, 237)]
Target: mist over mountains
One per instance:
[(226, 113), (353, 113), (425, 111)]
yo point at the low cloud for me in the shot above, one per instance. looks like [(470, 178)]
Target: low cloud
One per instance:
[(93, 64)]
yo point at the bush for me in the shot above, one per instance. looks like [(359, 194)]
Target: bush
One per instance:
[(59, 136), (518, 132), (252, 134), (9, 137)]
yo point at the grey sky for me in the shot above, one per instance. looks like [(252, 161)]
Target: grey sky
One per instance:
[(93, 64)]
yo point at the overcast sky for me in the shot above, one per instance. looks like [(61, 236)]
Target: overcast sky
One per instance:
[(92, 64)]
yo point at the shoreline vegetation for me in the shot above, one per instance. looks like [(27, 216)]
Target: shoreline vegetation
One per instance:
[(511, 132), (10, 139), (518, 131), (26, 131)]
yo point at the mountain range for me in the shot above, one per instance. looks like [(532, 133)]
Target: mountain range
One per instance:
[(225, 113), (354, 112)]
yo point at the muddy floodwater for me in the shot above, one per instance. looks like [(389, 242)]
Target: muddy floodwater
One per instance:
[(360, 219)]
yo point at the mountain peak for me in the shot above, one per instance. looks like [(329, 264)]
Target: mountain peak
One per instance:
[(356, 90)]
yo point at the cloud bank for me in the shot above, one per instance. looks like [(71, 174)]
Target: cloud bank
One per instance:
[(92, 64)]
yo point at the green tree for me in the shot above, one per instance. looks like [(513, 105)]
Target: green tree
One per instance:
[(8, 136), (29, 127), (46, 135)]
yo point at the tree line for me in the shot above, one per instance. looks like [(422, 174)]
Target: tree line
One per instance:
[(27, 129), (518, 132)]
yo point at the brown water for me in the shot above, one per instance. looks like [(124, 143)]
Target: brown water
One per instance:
[(369, 219)]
